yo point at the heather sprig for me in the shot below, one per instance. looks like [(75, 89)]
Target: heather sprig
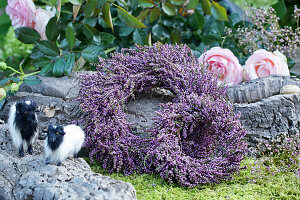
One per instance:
[(196, 138), (284, 150), (265, 33)]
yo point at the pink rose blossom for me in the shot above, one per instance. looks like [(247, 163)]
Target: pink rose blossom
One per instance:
[(21, 13), (41, 20), (224, 64), (24, 14), (263, 63)]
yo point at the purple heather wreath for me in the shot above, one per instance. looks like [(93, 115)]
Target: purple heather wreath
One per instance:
[(196, 138)]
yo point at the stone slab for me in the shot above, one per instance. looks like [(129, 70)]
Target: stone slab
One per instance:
[(30, 178)]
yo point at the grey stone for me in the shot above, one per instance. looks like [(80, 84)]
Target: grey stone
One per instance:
[(54, 97), (143, 108), (29, 178), (256, 90), (64, 87), (270, 117)]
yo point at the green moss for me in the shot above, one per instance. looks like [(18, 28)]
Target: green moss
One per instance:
[(254, 181)]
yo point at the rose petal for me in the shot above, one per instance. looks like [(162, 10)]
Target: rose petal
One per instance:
[(263, 71), (224, 64), (263, 63)]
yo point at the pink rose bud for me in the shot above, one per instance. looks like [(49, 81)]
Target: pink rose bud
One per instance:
[(14, 87), (41, 21), (263, 63), (21, 13), (224, 64)]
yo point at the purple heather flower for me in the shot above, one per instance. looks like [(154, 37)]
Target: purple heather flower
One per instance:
[(195, 139)]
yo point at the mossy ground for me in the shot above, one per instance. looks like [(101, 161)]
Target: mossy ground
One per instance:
[(254, 181)]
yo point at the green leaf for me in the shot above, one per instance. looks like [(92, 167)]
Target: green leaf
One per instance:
[(69, 64), (218, 12), (168, 23), (210, 40), (169, 9), (102, 2), (197, 20), (76, 9), (234, 18), (46, 70), (149, 40), (59, 67), (157, 30), (91, 53), (70, 36), (75, 2), (40, 62), (12, 62), (15, 79), (27, 35), (291, 62), (92, 21), (137, 38), (107, 15), (177, 2), (4, 81), (32, 80), (146, 3), (143, 15), (5, 23), (129, 20), (107, 38), (35, 52), (280, 8), (175, 36), (154, 15), (48, 48), (192, 4), (206, 6), (53, 29), (125, 31), (89, 31), (90, 7)]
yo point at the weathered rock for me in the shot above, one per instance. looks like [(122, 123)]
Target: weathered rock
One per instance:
[(256, 90), (29, 178), (272, 116), (54, 97), (142, 110), (64, 87)]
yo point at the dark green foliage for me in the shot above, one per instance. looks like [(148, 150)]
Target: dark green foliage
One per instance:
[(52, 29), (27, 35), (89, 29), (4, 22)]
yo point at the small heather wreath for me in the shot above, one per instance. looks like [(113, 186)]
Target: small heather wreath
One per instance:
[(196, 138)]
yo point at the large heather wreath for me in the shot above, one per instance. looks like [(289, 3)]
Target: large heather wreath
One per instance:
[(196, 138)]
